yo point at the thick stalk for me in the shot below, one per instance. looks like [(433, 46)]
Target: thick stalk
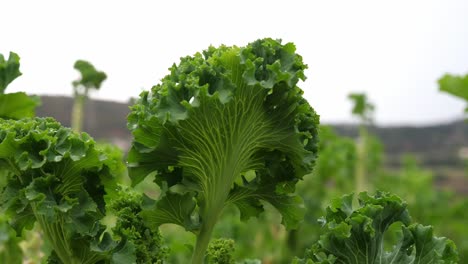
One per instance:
[(78, 112), (203, 239), (53, 234), (361, 184), (292, 241), (210, 217)]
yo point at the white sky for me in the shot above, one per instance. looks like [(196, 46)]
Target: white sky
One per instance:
[(393, 50)]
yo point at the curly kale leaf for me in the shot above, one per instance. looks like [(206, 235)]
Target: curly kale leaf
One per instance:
[(228, 125), (57, 177), (148, 244), (355, 236)]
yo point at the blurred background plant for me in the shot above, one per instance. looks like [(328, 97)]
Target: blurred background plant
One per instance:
[(90, 79)]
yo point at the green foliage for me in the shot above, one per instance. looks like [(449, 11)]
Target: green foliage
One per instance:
[(226, 126), (405, 181), (455, 85), (458, 86), (9, 70), (220, 251), (90, 77), (115, 160), (355, 236), (261, 238), (418, 186), (361, 108), (58, 179), (367, 145), (337, 160), (374, 152), (334, 172), (369, 153), (14, 105), (147, 243), (10, 252), (18, 105)]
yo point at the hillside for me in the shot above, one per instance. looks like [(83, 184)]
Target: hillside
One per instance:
[(104, 120), (435, 146)]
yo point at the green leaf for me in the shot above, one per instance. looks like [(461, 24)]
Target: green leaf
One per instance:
[(171, 208), (16, 206), (361, 106), (455, 85), (90, 77), (430, 248), (242, 197), (9, 70), (124, 255), (14, 105), (18, 105), (248, 200), (220, 114), (357, 236)]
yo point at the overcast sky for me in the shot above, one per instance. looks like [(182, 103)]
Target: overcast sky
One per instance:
[(393, 50)]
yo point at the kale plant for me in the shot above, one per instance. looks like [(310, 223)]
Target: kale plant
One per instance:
[(226, 126), (60, 180), (355, 236)]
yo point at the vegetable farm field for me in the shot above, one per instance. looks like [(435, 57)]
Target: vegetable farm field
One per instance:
[(227, 163)]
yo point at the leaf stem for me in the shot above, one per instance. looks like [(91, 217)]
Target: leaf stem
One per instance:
[(54, 232), (203, 239)]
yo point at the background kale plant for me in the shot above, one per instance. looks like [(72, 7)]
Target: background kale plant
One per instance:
[(60, 179)]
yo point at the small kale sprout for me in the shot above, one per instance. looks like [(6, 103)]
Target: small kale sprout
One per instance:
[(220, 251), (127, 205)]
